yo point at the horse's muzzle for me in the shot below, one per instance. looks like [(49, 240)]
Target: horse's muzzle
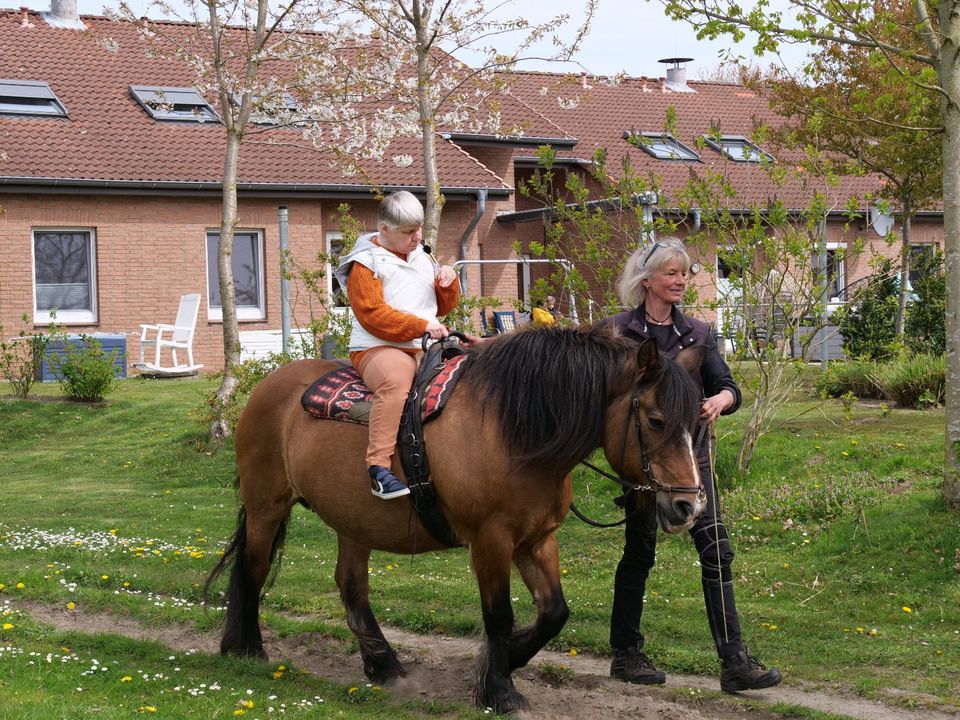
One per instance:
[(677, 512)]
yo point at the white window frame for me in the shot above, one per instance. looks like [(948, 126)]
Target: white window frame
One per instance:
[(842, 270), (245, 313), (652, 142), (724, 142), (332, 237), (66, 317)]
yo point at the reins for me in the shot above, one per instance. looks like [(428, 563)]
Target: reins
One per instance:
[(652, 485)]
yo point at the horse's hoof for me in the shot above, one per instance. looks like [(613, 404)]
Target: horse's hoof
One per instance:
[(385, 674), (249, 652), (506, 704)]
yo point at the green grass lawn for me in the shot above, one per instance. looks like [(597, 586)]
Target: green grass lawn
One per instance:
[(845, 569)]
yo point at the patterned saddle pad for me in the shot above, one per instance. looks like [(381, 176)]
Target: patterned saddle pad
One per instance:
[(342, 395)]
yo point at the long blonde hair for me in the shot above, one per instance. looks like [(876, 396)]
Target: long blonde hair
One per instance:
[(644, 262)]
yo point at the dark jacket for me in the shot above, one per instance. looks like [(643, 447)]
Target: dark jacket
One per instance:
[(715, 374)]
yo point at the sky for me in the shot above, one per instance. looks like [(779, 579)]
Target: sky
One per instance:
[(626, 36)]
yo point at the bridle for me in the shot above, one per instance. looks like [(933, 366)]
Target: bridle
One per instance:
[(652, 484)]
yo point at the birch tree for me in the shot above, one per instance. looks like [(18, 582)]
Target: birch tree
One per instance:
[(865, 24), (414, 64)]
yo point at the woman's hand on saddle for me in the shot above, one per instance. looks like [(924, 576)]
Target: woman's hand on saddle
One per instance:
[(472, 340), (436, 330), (713, 406), (445, 276)]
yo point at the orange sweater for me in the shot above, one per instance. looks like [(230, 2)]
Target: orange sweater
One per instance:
[(378, 318)]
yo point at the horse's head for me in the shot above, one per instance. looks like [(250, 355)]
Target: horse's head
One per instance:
[(651, 431)]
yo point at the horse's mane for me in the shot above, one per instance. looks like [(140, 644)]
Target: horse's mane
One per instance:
[(548, 388)]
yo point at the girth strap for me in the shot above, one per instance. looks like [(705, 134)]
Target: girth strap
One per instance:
[(412, 449)]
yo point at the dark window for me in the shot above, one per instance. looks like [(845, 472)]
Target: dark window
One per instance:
[(247, 273), (338, 294), (662, 146), (272, 110), (918, 253), (836, 281), (737, 147), (27, 97), (169, 103), (63, 271)]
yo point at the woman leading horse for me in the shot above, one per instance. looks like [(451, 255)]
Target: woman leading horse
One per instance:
[(528, 408)]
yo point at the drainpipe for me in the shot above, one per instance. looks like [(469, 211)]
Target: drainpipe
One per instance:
[(821, 274), (284, 283), (481, 209)]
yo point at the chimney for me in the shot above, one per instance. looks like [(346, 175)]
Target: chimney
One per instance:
[(63, 14), (25, 17), (676, 75)]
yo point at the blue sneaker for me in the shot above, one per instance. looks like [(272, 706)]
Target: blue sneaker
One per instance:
[(384, 484)]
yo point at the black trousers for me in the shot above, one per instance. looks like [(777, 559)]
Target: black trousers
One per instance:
[(716, 556)]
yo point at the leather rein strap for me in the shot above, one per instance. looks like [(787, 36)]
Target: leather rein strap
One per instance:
[(413, 450), (653, 485)]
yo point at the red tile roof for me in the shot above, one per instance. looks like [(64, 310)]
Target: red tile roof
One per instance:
[(599, 112), (109, 138)]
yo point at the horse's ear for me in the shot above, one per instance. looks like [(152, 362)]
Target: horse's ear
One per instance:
[(648, 359), (691, 358)]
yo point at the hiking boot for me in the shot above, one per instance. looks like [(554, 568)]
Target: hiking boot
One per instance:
[(384, 484), (633, 666), (744, 672)]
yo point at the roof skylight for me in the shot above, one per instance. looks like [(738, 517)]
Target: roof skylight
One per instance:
[(662, 146), (170, 103), (29, 97), (737, 148)]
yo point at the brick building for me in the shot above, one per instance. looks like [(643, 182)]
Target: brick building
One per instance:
[(110, 211)]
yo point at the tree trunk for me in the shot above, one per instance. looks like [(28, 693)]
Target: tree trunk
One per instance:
[(431, 221), (219, 427), (904, 269), (948, 70)]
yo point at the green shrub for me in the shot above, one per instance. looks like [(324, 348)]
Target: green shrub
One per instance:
[(851, 376), (867, 323), (20, 357), (924, 325), (85, 373), (249, 374), (918, 381)]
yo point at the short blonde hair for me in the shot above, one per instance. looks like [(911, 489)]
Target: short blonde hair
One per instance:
[(400, 209), (644, 262)]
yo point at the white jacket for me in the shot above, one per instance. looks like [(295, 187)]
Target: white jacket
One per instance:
[(408, 286)]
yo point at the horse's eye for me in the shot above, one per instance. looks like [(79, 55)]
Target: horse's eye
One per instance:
[(656, 423)]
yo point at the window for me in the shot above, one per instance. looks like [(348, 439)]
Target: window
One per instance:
[(272, 110), (247, 263), (28, 97), (64, 275), (836, 272), (661, 145), (920, 257), (738, 148), (337, 294), (169, 103)]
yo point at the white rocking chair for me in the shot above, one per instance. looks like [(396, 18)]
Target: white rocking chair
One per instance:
[(178, 336)]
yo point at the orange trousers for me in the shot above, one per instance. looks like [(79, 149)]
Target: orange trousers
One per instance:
[(388, 372)]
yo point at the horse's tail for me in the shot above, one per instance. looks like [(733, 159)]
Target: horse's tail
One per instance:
[(235, 552)]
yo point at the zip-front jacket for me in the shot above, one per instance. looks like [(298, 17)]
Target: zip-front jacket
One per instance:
[(687, 332)]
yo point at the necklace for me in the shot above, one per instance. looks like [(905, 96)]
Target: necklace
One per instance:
[(666, 321)]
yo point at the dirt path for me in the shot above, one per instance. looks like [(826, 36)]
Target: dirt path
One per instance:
[(441, 667)]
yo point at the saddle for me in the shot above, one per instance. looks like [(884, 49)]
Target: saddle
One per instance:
[(341, 395)]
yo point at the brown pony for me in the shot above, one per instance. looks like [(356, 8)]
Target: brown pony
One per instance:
[(530, 406)]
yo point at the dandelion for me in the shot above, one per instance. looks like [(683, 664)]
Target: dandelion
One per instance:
[(126, 678), (845, 453), (147, 709), (104, 577), (353, 691), (20, 586), (239, 711), (906, 609), (8, 626), (2, 587), (573, 652), (71, 605), (245, 703), (873, 632)]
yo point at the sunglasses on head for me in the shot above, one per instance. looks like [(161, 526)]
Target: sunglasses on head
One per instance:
[(694, 267)]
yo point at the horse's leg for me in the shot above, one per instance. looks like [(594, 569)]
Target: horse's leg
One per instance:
[(258, 539), (380, 662), (540, 569), (491, 563)]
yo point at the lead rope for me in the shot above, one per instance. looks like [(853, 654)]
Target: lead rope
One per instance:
[(711, 454)]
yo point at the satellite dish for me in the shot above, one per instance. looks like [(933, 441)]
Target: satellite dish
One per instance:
[(881, 222)]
